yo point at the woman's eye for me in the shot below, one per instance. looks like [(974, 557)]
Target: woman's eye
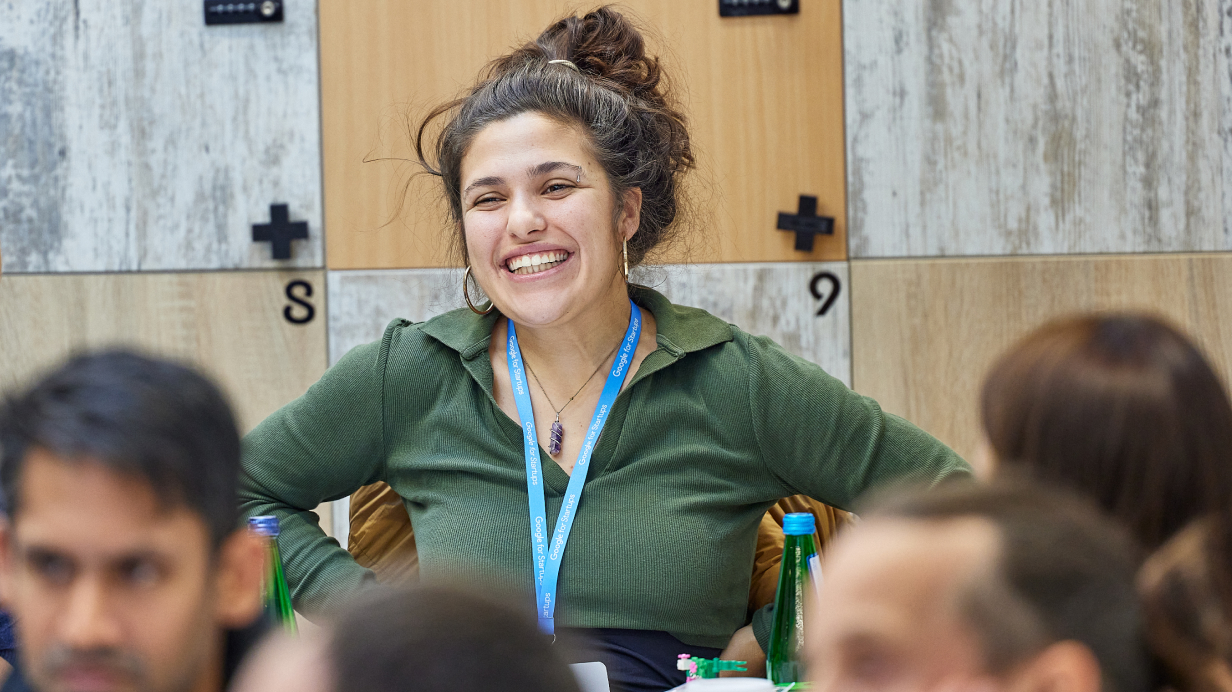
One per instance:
[(557, 187), (487, 200)]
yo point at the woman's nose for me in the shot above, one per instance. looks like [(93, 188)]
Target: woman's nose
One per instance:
[(525, 216)]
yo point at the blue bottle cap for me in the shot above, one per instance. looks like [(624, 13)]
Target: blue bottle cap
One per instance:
[(268, 525), (798, 524)]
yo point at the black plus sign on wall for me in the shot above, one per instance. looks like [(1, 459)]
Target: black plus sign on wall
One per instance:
[(805, 223), (280, 231)]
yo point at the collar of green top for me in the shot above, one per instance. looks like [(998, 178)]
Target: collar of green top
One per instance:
[(680, 329)]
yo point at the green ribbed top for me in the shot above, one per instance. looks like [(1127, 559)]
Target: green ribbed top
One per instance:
[(713, 428)]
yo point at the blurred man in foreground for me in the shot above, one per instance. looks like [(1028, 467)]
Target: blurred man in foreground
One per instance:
[(121, 560), (427, 639), (971, 588)]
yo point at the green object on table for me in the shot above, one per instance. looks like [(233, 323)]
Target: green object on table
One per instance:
[(277, 593), (787, 629), (707, 668)]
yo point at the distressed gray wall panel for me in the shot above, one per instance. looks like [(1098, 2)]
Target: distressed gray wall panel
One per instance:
[(773, 299), (996, 127), (133, 137)]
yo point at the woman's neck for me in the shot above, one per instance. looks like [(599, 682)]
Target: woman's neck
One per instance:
[(579, 344)]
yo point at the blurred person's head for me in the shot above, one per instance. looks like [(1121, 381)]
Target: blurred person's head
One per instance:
[(993, 588), (1121, 408), (120, 558), (428, 639), (1186, 589)]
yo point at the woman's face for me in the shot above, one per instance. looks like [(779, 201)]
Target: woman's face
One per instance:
[(537, 211)]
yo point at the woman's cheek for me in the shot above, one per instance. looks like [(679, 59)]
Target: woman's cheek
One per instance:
[(480, 238)]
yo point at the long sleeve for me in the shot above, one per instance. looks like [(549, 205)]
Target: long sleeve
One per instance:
[(320, 447), (823, 440)]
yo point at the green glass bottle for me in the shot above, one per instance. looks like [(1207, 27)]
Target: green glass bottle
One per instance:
[(277, 593), (787, 629)]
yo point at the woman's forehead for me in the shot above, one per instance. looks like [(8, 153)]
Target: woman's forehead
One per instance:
[(523, 145)]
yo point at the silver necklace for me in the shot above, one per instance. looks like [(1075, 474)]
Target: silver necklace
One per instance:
[(558, 431)]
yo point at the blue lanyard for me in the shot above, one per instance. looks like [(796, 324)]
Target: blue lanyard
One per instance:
[(547, 555)]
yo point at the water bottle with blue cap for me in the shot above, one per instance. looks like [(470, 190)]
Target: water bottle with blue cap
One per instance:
[(277, 593), (787, 629)]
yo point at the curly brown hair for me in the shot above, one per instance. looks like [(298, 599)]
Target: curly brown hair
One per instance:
[(617, 96)]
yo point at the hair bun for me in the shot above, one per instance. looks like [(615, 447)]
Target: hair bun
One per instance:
[(618, 97), (605, 44)]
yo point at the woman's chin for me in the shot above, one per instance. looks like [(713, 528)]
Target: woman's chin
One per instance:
[(537, 311), (559, 297)]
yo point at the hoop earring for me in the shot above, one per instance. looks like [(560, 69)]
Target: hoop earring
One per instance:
[(467, 295), (624, 251)]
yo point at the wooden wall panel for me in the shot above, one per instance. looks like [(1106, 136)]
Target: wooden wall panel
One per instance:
[(770, 299), (925, 332), (765, 96), (984, 127), (134, 137), (228, 324)]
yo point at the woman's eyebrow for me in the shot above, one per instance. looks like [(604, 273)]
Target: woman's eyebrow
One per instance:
[(549, 166), (483, 182)]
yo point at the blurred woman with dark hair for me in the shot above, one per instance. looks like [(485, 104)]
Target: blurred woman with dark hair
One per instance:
[(1186, 589), (1120, 407)]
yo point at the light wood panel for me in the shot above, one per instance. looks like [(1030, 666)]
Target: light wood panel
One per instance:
[(765, 96), (985, 127), (134, 137), (772, 299), (925, 332), (230, 325)]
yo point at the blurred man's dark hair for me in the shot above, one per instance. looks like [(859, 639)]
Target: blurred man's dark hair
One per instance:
[(149, 418), (1063, 572), (436, 639)]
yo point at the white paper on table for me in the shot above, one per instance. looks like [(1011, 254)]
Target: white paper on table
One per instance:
[(591, 677)]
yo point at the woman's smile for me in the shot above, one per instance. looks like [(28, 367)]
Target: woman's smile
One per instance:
[(535, 263)]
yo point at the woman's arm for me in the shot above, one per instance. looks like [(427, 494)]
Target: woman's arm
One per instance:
[(320, 447), (823, 440)]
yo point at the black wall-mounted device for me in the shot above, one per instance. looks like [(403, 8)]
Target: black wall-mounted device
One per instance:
[(746, 8), (247, 12)]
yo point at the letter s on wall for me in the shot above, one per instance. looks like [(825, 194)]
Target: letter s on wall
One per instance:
[(299, 300)]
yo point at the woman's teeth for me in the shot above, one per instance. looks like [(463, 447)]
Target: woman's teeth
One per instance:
[(538, 262)]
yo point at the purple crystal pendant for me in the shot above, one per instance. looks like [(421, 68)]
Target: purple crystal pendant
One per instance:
[(558, 434)]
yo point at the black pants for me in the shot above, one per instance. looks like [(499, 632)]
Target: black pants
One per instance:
[(636, 660)]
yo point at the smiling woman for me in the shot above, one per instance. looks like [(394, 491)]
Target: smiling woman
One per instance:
[(631, 519)]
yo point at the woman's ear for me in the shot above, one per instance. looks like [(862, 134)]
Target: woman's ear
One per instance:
[(630, 213), (241, 572)]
